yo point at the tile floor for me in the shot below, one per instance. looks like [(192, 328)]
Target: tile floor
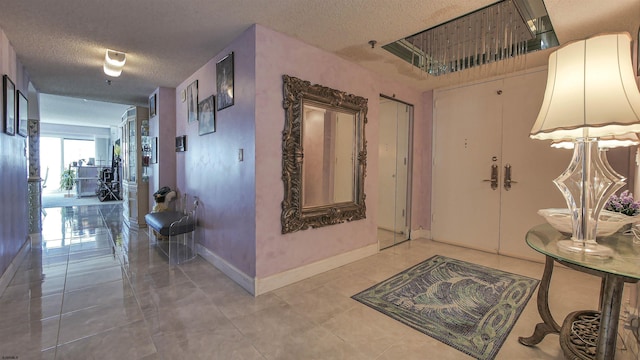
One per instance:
[(92, 289)]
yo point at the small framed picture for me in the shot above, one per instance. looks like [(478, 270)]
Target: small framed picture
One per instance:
[(192, 102), (207, 116), (224, 82), (152, 106), (154, 150), (181, 143), (9, 107), (23, 114)]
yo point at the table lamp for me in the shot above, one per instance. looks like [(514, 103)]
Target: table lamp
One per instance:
[(591, 94)]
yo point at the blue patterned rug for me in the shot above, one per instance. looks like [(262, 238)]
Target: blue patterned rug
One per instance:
[(467, 306)]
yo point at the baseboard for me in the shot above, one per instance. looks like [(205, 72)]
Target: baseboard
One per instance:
[(8, 274), (242, 279), (284, 278), (421, 234), (261, 286)]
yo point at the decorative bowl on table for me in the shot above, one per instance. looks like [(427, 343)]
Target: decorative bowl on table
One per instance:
[(608, 223)]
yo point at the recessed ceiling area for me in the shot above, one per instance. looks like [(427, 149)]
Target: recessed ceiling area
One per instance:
[(501, 31)]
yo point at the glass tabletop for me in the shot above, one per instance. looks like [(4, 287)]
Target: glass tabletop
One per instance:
[(624, 261)]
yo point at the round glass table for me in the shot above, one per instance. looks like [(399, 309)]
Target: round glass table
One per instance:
[(623, 265)]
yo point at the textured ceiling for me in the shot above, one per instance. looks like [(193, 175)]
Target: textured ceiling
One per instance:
[(62, 43)]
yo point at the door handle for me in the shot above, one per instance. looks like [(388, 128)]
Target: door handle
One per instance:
[(507, 178), (494, 177)]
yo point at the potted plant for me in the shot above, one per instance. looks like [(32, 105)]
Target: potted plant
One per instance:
[(67, 178)]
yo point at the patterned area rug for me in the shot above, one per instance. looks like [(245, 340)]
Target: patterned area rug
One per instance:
[(469, 307)]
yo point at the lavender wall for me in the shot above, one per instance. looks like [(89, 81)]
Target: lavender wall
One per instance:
[(163, 126), (210, 168), (13, 169), (277, 54)]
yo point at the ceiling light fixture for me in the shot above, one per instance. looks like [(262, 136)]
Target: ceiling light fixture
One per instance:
[(114, 62), (500, 31)]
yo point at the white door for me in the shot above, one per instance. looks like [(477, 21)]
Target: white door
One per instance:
[(474, 125)]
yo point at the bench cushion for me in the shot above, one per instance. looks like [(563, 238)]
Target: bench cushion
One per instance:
[(161, 222)]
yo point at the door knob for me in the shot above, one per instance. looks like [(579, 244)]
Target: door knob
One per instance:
[(507, 178), (494, 177)]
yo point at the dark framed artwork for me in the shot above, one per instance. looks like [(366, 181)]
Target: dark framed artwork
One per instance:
[(224, 82), (154, 150), (23, 114), (152, 106), (192, 102), (207, 116), (9, 107), (181, 143)]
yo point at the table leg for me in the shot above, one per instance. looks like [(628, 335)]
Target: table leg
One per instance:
[(610, 312), (549, 325)]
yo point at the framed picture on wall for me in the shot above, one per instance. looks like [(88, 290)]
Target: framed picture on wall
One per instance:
[(638, 51), (152, 106), (9, 105), (23, 114), (154, 150), (192, 102), (181, 143), (207, 120), (224, 82)]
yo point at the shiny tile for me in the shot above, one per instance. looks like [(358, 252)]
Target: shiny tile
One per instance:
[(86, 322), (77, 295), (47, 286), (29, 310), (92, 278), (130, 341), (29, 337), (270, 328), (209, 344), (94, 296)]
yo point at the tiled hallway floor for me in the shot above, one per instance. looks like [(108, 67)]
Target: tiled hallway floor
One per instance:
[(93, 290)]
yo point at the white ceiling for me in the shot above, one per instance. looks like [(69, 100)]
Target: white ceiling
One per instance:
[(75, 111), (62, 43)]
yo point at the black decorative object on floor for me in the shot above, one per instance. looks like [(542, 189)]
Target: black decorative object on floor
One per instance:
[(467, 306)]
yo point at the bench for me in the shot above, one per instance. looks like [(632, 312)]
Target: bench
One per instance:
[(173, 233)]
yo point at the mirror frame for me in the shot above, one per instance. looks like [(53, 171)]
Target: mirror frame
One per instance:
[(294, 216)]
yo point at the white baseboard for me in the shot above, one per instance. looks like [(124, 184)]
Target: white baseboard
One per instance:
[(8, 274), (261, 286), (284, 278), (421, 234), (242, 279)]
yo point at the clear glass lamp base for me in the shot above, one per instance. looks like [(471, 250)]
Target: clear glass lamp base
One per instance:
[(586, 185), (587, 247)]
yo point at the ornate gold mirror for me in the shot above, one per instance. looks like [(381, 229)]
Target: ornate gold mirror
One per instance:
[(324, 156)]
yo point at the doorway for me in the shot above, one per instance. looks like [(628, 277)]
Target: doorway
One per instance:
[(394, 168), (481, 140)]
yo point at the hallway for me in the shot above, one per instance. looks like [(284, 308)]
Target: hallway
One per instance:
[(92, 289)]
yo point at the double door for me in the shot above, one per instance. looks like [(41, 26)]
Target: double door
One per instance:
[(489, 177)]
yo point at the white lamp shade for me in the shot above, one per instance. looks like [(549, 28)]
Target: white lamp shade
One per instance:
[(591, 91), (604, 142)]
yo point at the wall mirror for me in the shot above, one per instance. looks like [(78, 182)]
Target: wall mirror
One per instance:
[(324, 156)]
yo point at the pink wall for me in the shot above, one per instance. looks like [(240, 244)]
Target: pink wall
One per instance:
[(13, 168), (241, 201), (276, 55), (210, 168)]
